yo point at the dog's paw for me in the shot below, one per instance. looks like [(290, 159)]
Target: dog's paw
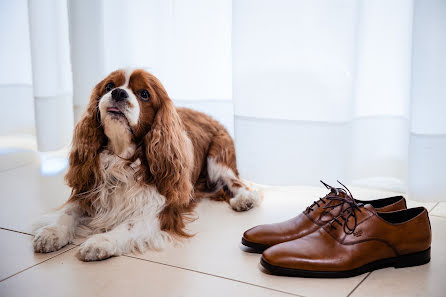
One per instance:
[(50, 238), (98, 247), (245, 200)]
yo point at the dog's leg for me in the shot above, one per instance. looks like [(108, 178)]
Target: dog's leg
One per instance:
[(222, 170), (133, 235), (56, 230)]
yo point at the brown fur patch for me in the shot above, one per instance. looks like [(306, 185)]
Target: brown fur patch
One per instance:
[(236, 183)]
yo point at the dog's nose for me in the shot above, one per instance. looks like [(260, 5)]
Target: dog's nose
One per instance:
[(119, 94)]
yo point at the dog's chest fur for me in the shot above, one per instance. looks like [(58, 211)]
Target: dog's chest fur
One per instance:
[(121, 196)]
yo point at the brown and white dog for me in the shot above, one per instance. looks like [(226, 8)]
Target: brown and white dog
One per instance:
[(137, 168)]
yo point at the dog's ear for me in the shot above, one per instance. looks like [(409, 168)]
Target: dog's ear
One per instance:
[(88, 140), (169, 154)]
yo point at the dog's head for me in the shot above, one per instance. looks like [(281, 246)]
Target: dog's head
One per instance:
[(130, 113), (128, 101)]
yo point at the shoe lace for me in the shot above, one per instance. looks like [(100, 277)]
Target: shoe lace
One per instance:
[(333, 195), (350, 211)]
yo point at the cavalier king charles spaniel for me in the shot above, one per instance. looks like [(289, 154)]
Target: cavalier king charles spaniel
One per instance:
[(137, 167)]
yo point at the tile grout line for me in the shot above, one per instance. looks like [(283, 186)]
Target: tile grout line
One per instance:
[(213, 275), (30, 234), (359, 284), (23, 270), (429, 211), (6, 229), (438, 216), (20, 166)]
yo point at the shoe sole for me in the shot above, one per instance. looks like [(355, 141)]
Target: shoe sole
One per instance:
[(254, 247), (408, 260)]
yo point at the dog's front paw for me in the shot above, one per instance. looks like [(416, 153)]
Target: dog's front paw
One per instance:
[(98, 247), (245, 200), (50, 238)]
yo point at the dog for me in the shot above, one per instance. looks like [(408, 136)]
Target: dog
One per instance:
[(137, 167)]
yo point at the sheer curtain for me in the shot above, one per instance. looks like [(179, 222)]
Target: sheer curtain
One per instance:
[(186, 44), (331, 89), (341, 89), (333, 82)]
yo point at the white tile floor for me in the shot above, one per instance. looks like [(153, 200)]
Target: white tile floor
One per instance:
[(209, 264)]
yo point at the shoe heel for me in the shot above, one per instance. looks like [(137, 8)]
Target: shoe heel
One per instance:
[(414, 259)]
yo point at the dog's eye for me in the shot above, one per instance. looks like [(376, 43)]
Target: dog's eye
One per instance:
[(110, 86), (144, 94)]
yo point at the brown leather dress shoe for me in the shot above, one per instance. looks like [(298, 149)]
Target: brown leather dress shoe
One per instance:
[(261, 237), (358, 241)]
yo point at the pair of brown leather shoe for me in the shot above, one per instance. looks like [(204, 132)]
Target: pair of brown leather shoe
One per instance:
[(338, 236)]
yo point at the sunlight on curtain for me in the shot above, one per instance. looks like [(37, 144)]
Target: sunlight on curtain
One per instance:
[(380, 126), (186, 44), (15, 71), (427, 151), (293, 72), (323, 89), (51, 73)]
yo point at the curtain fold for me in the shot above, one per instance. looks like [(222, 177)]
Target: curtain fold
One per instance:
[(427, 143), (51, 75), (86, 32), (293, 84), (15, 70), (380, 135)]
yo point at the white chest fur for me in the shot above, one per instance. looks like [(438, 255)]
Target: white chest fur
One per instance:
[(120, 197)]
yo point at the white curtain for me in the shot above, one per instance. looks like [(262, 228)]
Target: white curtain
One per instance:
[(329, 83), (331, 89), (15, 70), (353, 90), (186, 44)]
